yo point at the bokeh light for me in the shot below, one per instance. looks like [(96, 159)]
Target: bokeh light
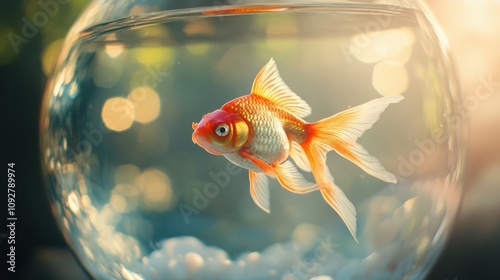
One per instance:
[(118, 114), (146, 104), (73, 203), (154, 55), (390, 77), (157, 190), (151, 190), (126, 173), (118, 203), (306, 235), (372, 47), (198, 28), (113, 48)]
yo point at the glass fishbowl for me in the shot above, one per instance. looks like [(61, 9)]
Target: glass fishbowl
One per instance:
[(135, 198)]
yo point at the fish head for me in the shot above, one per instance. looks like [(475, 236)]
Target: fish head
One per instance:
[(220, 132)]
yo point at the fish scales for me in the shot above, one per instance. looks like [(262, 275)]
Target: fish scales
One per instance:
[(272, 127)]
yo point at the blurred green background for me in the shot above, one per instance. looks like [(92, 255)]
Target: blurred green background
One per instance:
[(473, 28)]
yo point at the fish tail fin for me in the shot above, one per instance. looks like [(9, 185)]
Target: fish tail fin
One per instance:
[(340, 132), (316, 155)]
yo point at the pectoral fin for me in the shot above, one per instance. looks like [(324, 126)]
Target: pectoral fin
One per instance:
[(259, 189), (286, 174), (266, 168)]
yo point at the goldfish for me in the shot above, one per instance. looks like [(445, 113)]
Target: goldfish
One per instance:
[(262, 130)]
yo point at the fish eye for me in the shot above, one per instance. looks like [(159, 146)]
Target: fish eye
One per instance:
[(222, 130)]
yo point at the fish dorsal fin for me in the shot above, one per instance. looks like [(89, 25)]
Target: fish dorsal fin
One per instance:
[(269, 85)]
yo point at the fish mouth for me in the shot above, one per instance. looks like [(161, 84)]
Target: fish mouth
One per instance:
[(195, 137), (200, 140)]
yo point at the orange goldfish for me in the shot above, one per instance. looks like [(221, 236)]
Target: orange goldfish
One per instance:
[(261, 130)]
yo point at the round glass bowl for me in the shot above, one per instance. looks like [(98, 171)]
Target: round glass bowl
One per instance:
[(137, 199)]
